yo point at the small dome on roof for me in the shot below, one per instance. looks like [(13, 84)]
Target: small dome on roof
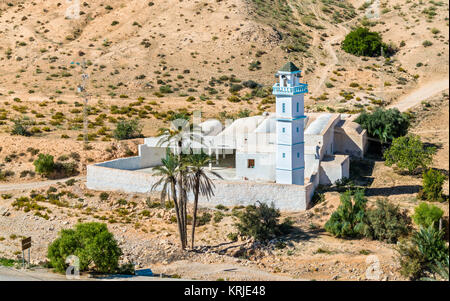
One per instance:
[(289, 67)]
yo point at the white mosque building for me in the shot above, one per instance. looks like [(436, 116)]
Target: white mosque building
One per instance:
[(276, 157)]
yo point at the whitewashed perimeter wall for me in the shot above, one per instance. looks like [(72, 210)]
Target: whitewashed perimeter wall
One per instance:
[(148, 157), (228, 193)]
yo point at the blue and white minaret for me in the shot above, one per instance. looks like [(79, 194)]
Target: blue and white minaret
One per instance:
[(289, 92)]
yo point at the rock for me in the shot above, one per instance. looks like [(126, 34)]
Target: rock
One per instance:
[(335, 277), (4, 212)]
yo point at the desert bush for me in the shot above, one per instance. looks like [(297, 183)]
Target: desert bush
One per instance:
[(363, 42), (408, 153), (261, 222), (251, 84), (44, 164), (349, 218), (384, 124), (386, 222), (235, 88), (128, 129), (419, 255), (427, 43), (20, 127), (232, 236), (92, 243), (426, 215), (66, 169), (432, 181), (204, 219)]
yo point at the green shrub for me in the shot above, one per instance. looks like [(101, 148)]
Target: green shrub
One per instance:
[(384, 124), (433, 180), (408, 153), (20, 127), (387, 222), (104, 196), (44, 164), (92, 243), (349, 218), (204, 219), (427, 215), (232, 236), (362, 42), (419, 255), (427, 43), (235, 88), (261, 222), (128, 129), (218, 216)]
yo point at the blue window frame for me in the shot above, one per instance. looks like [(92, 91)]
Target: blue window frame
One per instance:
[(283, 108)]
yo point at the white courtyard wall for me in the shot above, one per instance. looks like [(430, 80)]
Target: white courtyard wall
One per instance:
[(228, 193)]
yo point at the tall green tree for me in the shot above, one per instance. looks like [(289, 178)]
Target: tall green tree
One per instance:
[(384, 125), (199, 182)]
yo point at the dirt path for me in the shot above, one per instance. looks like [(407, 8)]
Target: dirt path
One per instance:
[(328, 46), (34, 185), (416, 96)]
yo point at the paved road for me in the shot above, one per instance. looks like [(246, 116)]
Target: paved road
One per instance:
[(10, 274)]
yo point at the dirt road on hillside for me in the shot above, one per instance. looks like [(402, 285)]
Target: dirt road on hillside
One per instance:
[(423, 92)]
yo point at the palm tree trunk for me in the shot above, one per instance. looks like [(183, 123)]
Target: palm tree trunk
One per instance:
[(182, 209), (194, 215), (177, 211)]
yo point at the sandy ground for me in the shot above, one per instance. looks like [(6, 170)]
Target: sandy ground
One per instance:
[(212, 40)]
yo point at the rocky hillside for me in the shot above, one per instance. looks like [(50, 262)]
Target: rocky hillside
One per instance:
[(192, 47)]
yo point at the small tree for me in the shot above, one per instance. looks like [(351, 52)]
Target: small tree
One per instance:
[(261, 222), (92, 243), (128, 129), (362, 42), (427, 215), (433, 180), (409, 153), (44, 164), (349, 218), (387, 222)]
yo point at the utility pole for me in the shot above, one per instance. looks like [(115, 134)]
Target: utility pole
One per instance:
[(382, 76), (82, 89)]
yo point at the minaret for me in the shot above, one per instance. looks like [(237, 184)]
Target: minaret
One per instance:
[(290, 161)]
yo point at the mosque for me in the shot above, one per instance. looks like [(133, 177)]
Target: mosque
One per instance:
[(278, 157)]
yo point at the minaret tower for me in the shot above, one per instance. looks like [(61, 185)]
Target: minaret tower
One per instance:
[(290, 161)]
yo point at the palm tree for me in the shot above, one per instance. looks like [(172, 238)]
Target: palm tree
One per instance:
[(168, 173), (199, 182)]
